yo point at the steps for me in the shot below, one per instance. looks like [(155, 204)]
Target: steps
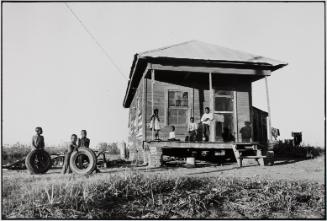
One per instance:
[(238, 152)]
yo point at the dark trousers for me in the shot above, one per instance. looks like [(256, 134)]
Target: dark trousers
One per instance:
[(80, 160), (206, 131), (192, 135), (66, 167)]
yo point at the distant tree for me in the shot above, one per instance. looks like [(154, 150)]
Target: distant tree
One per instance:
[(111, 148)]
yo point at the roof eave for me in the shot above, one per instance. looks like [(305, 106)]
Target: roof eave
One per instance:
[(137, 57)]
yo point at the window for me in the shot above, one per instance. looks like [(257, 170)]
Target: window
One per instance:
[(177, 99), (178, 103), (223, 104), (224, 101)]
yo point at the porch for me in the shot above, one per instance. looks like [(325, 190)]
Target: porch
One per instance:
[(156, 150)]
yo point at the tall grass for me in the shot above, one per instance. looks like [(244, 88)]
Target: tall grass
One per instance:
[(135, 195)]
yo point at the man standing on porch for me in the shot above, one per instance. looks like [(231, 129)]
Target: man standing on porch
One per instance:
[(206, 119)]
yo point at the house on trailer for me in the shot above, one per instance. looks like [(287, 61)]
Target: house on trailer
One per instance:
[(180, 81)]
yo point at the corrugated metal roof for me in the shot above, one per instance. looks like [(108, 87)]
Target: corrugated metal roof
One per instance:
[(204, 51)]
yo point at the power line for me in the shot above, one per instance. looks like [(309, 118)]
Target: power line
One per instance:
[(96, 41)]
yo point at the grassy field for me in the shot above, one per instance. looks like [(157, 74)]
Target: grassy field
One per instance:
[(293, 188), (131, 193)]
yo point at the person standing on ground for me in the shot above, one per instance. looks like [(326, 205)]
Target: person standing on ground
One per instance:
[(38, 144), (84, 142), (71, 147)]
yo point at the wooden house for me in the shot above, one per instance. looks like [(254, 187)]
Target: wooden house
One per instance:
[(181, 80)]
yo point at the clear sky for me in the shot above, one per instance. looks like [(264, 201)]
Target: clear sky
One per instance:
[(55, 76)]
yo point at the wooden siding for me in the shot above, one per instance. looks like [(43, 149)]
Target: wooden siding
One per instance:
[(198, 100), (259, 125), (135, 124)]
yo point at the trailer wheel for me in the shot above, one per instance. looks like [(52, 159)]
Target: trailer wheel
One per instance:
[(83, 161), (38, 161)]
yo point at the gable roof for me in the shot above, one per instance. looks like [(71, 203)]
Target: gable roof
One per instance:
[(196, 53)]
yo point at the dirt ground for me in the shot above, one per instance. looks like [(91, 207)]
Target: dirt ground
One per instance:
[(307, 170)]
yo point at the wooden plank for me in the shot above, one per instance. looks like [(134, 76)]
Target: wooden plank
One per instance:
[(152, 99), (211, 104), (144, 109), (214, 70), (144, 103), (199, 145), (235, 116), (260, 160), (253, 157), (269, 111), (237, 156)]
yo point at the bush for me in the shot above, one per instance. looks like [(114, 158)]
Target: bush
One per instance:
[(14, 153), (287, 149), (111, 148), (19, 151)]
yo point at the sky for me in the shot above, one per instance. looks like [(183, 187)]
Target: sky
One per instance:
[(56, 76)]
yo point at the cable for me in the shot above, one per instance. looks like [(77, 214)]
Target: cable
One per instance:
[(96, 41)]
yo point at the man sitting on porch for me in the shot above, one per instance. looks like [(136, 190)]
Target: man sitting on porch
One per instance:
[(206, 119)]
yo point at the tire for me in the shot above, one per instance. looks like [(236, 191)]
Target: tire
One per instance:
[(38, 162), (87, 153)]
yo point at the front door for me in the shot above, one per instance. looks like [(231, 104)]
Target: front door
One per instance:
[(224, 115)]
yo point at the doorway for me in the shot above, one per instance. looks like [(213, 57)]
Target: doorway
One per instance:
[(224, 108)]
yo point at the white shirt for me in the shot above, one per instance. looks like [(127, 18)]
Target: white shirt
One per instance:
[(205, 116), (192, 126), (172, 135)]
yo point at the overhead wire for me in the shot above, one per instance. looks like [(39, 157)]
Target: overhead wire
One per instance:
[(96, 41)]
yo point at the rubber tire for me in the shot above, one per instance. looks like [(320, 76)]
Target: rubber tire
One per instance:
[(30, 164), (92, 161)]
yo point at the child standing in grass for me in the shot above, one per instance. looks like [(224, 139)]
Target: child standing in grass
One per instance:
[(38, 139), (154, 123), (72, 147)]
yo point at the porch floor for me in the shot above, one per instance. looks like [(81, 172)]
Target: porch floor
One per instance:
[(200, 145)]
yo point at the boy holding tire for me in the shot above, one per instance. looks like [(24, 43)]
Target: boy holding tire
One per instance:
[(72, 147), (83, 141)]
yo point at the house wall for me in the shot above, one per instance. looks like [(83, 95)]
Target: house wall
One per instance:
[(198, 100), (135, 125)]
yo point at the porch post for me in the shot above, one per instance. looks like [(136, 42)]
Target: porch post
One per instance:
[(269, 111), (211, 104), (152, 99), (144, 115), (235, 116)]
